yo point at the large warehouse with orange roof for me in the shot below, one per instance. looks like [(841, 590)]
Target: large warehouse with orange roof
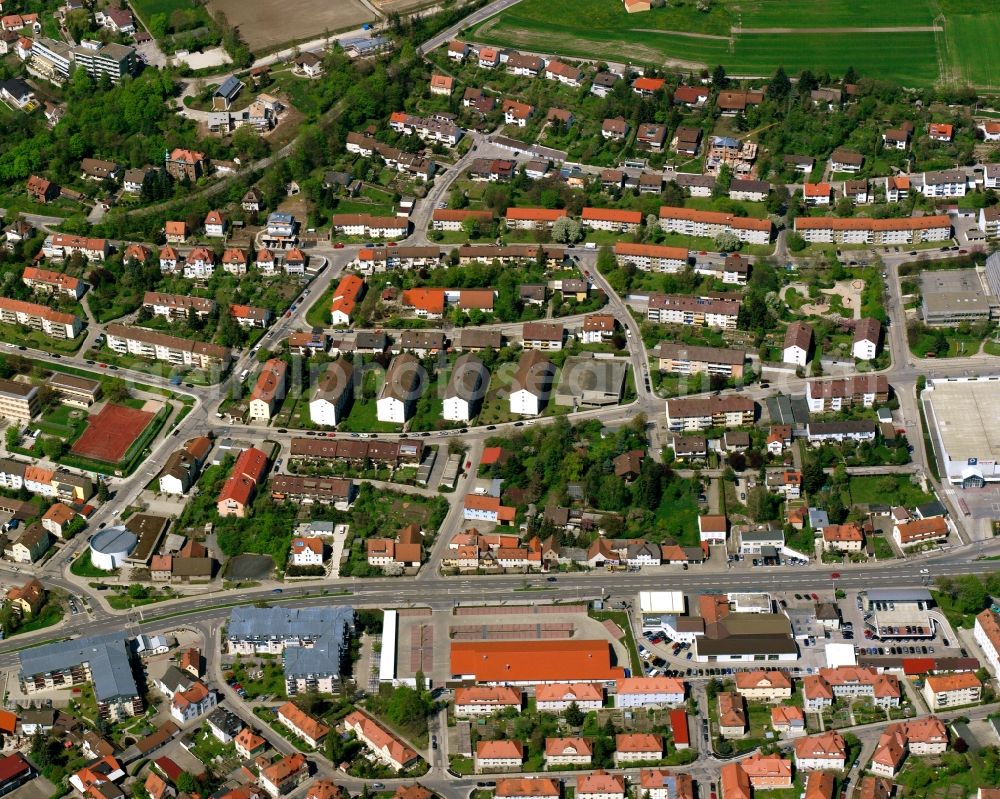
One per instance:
[(533, 662)]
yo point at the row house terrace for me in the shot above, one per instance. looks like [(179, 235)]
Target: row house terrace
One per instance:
[(693, 311), (861, 230), (837, 394), (709, 224), (432, 129)]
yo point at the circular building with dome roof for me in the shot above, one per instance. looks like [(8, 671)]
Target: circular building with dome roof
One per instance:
[(110, 547)]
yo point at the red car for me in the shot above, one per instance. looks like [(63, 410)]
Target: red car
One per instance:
[(339, 245)]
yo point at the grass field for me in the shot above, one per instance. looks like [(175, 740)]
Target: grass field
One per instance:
[(146, 8), (973, 42), (822, 36)]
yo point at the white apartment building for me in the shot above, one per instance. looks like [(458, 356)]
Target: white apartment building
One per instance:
[(556, 698), (987, 635), (947, 691), (709, 224), (633, 692)]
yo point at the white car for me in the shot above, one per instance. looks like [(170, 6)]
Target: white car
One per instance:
[(925, 571)]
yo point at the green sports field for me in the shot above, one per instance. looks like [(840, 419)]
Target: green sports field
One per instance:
[(916, 43)]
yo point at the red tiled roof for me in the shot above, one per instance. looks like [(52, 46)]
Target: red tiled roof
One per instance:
[(715, 217), (648, 84), (612, 215), (430, 300), (534, 661), (861, 223), (535, 214)]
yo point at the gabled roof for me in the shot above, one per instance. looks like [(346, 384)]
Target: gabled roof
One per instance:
[(302, 721)]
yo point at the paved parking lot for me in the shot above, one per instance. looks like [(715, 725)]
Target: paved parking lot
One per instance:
[(983, 503)]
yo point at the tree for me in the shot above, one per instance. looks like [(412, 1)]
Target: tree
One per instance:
[(722, 184), (719, 79), (230, 333), (970, 595), (573, 715), (9, 618), (649, 486), (158, 25), (844, 207), (836, 509), (137, 591), (813, 476), (807, 83), (12, 436), (470, 225), (795, 241), (566, 230), (41, 751), (102, 491), (117, 390), (779, 87), (53, 447), (760, 504), (727, 242)]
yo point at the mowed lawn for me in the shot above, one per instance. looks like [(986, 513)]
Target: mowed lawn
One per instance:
[(726, 14), (681, 37), (604, 15), (974, 48), (910, 60), (834, 13), (146, 8)]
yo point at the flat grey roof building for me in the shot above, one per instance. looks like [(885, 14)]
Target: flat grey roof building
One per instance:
[(954, 296), (315, 639), (962, 418), (586, 380), (107, 656), (289, 623), (899, 595)]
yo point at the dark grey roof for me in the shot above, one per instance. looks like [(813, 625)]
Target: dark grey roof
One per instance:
[(250, 622), (114, 539), (327, 627), (468, 379), (107, 655), (229, 87), (899, 595), (762, 535), (845, 427), (227, 721), (16, 88), (930, 509), (739, 645), (365, 340)]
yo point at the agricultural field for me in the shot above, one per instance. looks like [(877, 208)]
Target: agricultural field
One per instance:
[(263, 26), (753, 38), (401, 6)]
